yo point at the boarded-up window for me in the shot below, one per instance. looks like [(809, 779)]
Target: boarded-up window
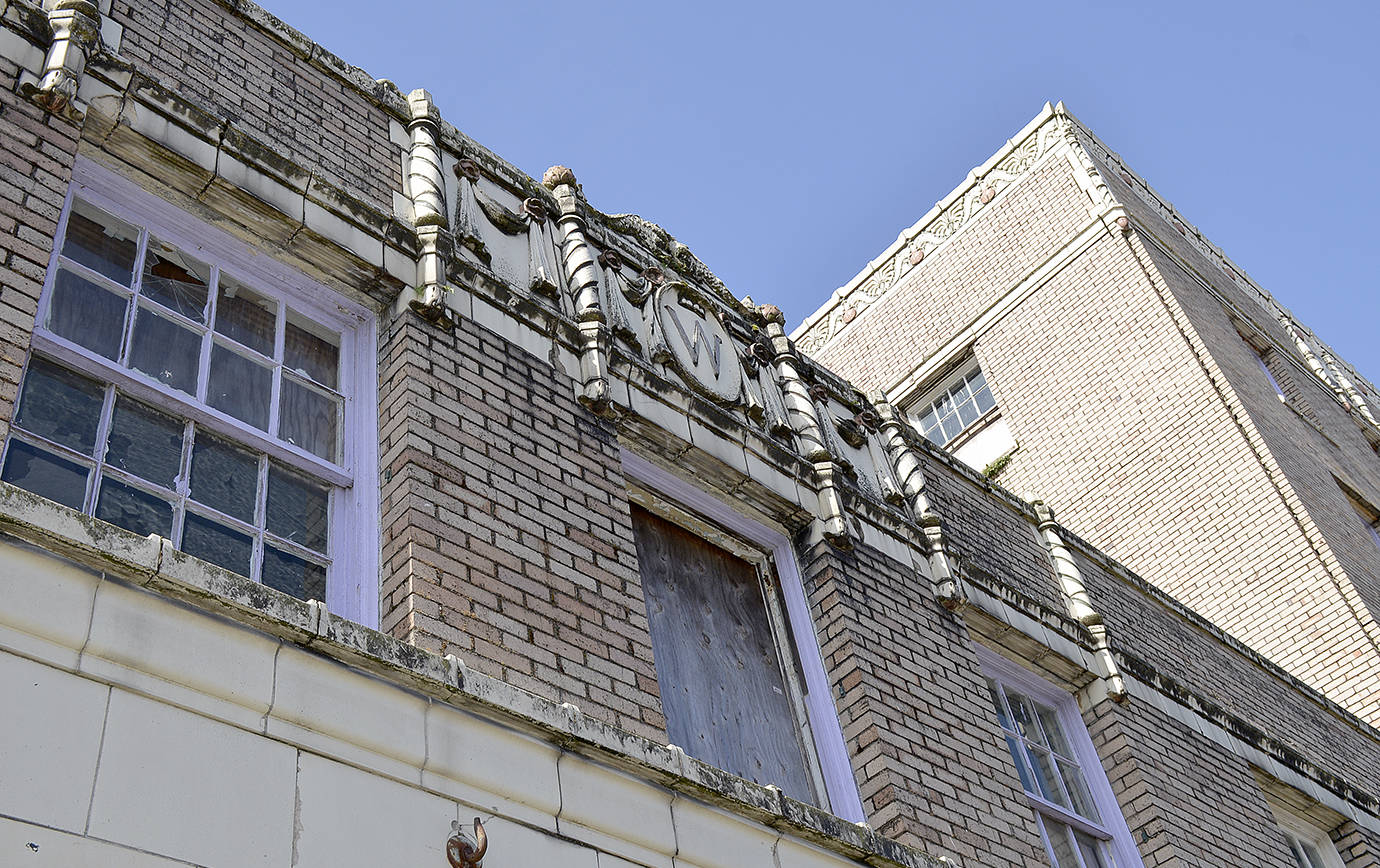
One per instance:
[(717, 660)]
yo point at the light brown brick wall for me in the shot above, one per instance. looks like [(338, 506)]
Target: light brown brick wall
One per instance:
[(1144, 420), (203, 50), (1020, 228), (926, 749), (1188, 802), (1314, 611), (507, 538), (1122, 428), (36, 155), (1195, 659), (1359, 848)]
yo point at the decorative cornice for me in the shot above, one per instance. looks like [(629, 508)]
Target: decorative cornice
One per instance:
[(951, 215), (1199, 242)]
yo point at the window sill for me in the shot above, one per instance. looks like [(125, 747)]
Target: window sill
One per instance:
[(1304, 418), (979, 425)]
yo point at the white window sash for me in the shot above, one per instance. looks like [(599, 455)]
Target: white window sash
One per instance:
[(353, 583), (1113, 828)]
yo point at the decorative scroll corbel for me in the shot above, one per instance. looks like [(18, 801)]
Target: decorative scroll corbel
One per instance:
[(582, 276), (1353, 395), (803, 417), (76, 26), (614, 292), (1309, 357), (542, 276), (467, 213), (464, 852), (1079, 605), (426, 188), (948, 585)]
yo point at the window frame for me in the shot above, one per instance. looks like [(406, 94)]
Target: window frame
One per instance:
[(919, 409), (1298, 830), (1113, 829), (352, 578), (825, 733)]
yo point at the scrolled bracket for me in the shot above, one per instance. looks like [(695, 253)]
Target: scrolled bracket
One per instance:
[(76, 26)]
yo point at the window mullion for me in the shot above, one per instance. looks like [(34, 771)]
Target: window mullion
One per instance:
[(102, 434), (203, 371), (183, 483), (135, 286), (275, 393), (260, 519)]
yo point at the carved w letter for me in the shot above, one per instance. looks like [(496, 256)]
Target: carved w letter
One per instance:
[(693, 340)]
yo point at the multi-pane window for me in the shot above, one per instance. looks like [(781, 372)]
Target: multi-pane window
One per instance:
[(183, 387), (956, 408), (90, 446), (1078, 819), (124, 294)]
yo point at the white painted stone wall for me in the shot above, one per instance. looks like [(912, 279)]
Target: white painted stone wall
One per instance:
[(138, 730)]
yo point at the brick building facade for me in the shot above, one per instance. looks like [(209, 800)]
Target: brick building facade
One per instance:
[(356, 484), (1174, 412)]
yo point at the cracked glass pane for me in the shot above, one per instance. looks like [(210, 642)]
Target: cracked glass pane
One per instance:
[(102, 243), (175, 280), (134, 510)]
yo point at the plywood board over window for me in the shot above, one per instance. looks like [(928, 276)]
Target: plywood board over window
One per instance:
[(725, 686)]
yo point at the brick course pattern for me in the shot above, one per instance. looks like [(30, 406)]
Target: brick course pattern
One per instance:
[(203, 50), (1020, 228), (1143, 418), (1188, 802), (507, 537), (926, 749), (37, 150)]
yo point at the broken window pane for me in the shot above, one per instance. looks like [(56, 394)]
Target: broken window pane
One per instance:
[(145, 442), (175, 280), (239, 387), (60, 406), (45, 474), (134, 510), (246, 316), (309, 419), (165, 350), (103, 243), (311, 350), (217, 543), (224, 476), (293, 575), (87, 314), (296, 508)]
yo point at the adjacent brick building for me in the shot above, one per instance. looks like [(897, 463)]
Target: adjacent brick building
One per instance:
[(356, 485), (1172, 411)]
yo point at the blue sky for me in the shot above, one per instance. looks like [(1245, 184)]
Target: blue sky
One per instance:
[(788, 144)]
